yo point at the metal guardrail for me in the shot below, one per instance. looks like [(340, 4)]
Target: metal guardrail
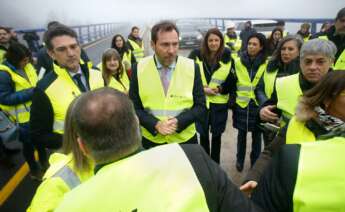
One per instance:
[(290, 23), (86, 33), (293, 22)]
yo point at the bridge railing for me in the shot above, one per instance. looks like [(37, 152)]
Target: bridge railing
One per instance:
[(292, 24), (86, 33)]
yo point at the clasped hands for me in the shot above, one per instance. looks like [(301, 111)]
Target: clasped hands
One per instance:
[(211, 91), (167, 127)]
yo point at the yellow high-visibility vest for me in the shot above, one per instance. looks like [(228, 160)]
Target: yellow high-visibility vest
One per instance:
[(65, 83), (2, 55), (138, 51), (122, 86), (245, 86), (237, 43), (298, 133), (178, 98), (320, 177), (22, 111), (218, 77), (60, 178), (269, 79), (145, 181), (288, 92)]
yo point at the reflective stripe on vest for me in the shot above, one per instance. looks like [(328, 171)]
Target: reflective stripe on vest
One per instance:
[(65, 83), (340, 63), (143, 183), (68, 176), (246, 87), (320, 182), (138, 51), (179, 95), (22, 111), (172, 113), (269, 79), (218, 77), (298, 133), (288, 92), (58, 125)]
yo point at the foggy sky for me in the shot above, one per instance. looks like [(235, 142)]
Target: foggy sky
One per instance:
[(24, 14)]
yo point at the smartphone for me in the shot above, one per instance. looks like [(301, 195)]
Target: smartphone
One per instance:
[(269, 126)]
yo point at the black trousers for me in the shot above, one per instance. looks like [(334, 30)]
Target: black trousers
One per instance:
[(29, 149), (147, 144), (242, 144), (214, 121)]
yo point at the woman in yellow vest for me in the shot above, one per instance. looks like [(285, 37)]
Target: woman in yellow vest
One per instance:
[(215, 63), (284, 62), (67, 170), (320, 114), (249, 68), (304, 32), (113, 71), (127, 56), (18, 79)]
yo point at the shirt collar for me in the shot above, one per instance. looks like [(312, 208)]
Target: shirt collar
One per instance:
[(74, 73), (160, 66)]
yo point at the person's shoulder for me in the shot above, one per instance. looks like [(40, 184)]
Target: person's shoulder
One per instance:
[(194, 152), (195, 53), (226, 56), (47, 80)]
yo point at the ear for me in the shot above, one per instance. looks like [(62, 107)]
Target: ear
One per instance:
[(82, 146), (153, 45), (51, 54)]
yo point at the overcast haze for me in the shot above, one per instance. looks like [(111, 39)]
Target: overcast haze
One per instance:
[(36, 13)]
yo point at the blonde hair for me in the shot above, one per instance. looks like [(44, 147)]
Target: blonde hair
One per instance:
[(70, 144)]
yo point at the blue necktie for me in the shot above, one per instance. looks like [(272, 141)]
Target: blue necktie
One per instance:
[(80, 84)]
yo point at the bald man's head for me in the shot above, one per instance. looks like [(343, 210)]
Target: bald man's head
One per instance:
[(107, 124)]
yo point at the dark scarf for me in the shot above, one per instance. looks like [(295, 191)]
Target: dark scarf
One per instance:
[(138, 40), (232, 35), (284, 69), (325, 126), (252, 64), (121, 51), (304, 35)]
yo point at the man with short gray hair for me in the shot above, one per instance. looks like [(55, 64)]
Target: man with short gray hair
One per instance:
[(165, 178)]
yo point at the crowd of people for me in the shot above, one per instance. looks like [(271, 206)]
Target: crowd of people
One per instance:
[(128, 127)]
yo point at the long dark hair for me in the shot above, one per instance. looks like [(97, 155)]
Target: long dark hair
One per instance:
[(270, 42), (124, 47), (276, 56), (205, 50), (16, 53)]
